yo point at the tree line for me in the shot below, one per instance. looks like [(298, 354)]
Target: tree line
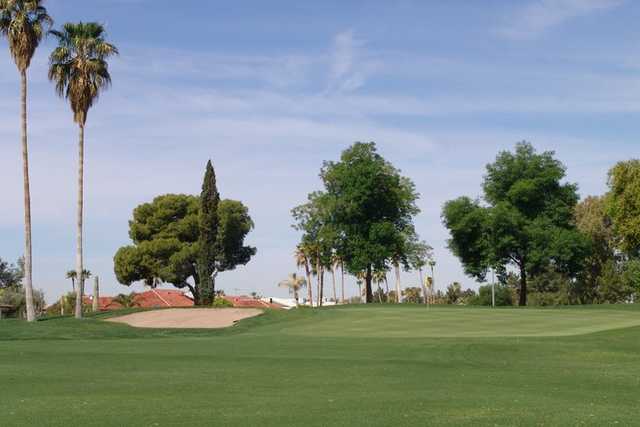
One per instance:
[(529, 230), (79, 70)]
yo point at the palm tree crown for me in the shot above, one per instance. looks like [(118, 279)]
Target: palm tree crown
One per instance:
[(294, 283), (24, 23), (72, 274), (78, 66)]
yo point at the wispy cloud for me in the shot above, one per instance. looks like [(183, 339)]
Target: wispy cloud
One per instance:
[(540, 16), (349, 65)]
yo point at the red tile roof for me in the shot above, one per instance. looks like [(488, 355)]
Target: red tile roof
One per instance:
[(156, 298), (163, 298), (250, 302)]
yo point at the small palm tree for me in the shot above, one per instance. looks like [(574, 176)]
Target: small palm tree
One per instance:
[(79, 69), (25, 23), (126, 301), (379, 277), (294, 284), (73, 275)]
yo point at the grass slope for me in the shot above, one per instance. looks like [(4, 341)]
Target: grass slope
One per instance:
[(346, 366)]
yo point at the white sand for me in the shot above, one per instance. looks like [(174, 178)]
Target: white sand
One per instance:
[(187, 317)]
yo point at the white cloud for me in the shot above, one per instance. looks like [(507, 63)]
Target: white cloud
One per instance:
[(350, 65), (542, 15)]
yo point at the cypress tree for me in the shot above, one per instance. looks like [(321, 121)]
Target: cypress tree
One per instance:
[(208, 236)]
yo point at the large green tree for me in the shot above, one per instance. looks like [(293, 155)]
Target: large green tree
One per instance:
[(624, 205), (594, 223), (25, 23), (80, 71), (525, 220), (208, 236), (166, 235), (364, 210)]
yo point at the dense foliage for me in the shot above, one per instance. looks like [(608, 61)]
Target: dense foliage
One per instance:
[(364, 216), (208, 236), (165, 235), (524, 221)]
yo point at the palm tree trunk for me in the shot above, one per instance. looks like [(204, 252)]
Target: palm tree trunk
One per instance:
[(424, 287), (397, 267), (342, 279), (28, 269), (333, 279), (321, 274), (309, 286), (96, 294), (79, 263), (318, 282)]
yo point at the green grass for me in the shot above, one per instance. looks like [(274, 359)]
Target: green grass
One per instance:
[(384, 366)]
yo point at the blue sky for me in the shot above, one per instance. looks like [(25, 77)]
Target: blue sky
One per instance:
[(268, 90)]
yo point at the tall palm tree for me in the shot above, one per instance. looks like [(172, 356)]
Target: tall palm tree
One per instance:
[(432, 264), (396, 267), (79, 69), (302, 260), (25, 23), (294, 284)]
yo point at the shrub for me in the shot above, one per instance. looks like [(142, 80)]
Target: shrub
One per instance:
[(412, 295), (504, 296), (220, 302), (14, 297)]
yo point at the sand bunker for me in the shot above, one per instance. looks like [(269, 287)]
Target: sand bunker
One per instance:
[(187, 318)]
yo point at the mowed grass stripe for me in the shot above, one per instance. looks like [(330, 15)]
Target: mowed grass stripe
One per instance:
[(422, 322)]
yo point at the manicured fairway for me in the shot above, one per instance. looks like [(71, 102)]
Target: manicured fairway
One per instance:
[(381, 366)]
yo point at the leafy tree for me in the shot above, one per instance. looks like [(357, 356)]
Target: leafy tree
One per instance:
[(165, 235), (365, 206), (595, 224), (550, 287), (11, 275), (25, 23), (14, 297), (526, 221), (208, 236), (454, 293), (79, 69), (294, 284), (624, 205)]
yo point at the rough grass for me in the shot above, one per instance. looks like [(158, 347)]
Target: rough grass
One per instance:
[(345, 366)]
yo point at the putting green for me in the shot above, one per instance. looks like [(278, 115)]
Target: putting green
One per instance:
[(422, 322)]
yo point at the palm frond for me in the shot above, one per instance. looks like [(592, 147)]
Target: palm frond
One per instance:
[(79, 67), (24, 23)]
